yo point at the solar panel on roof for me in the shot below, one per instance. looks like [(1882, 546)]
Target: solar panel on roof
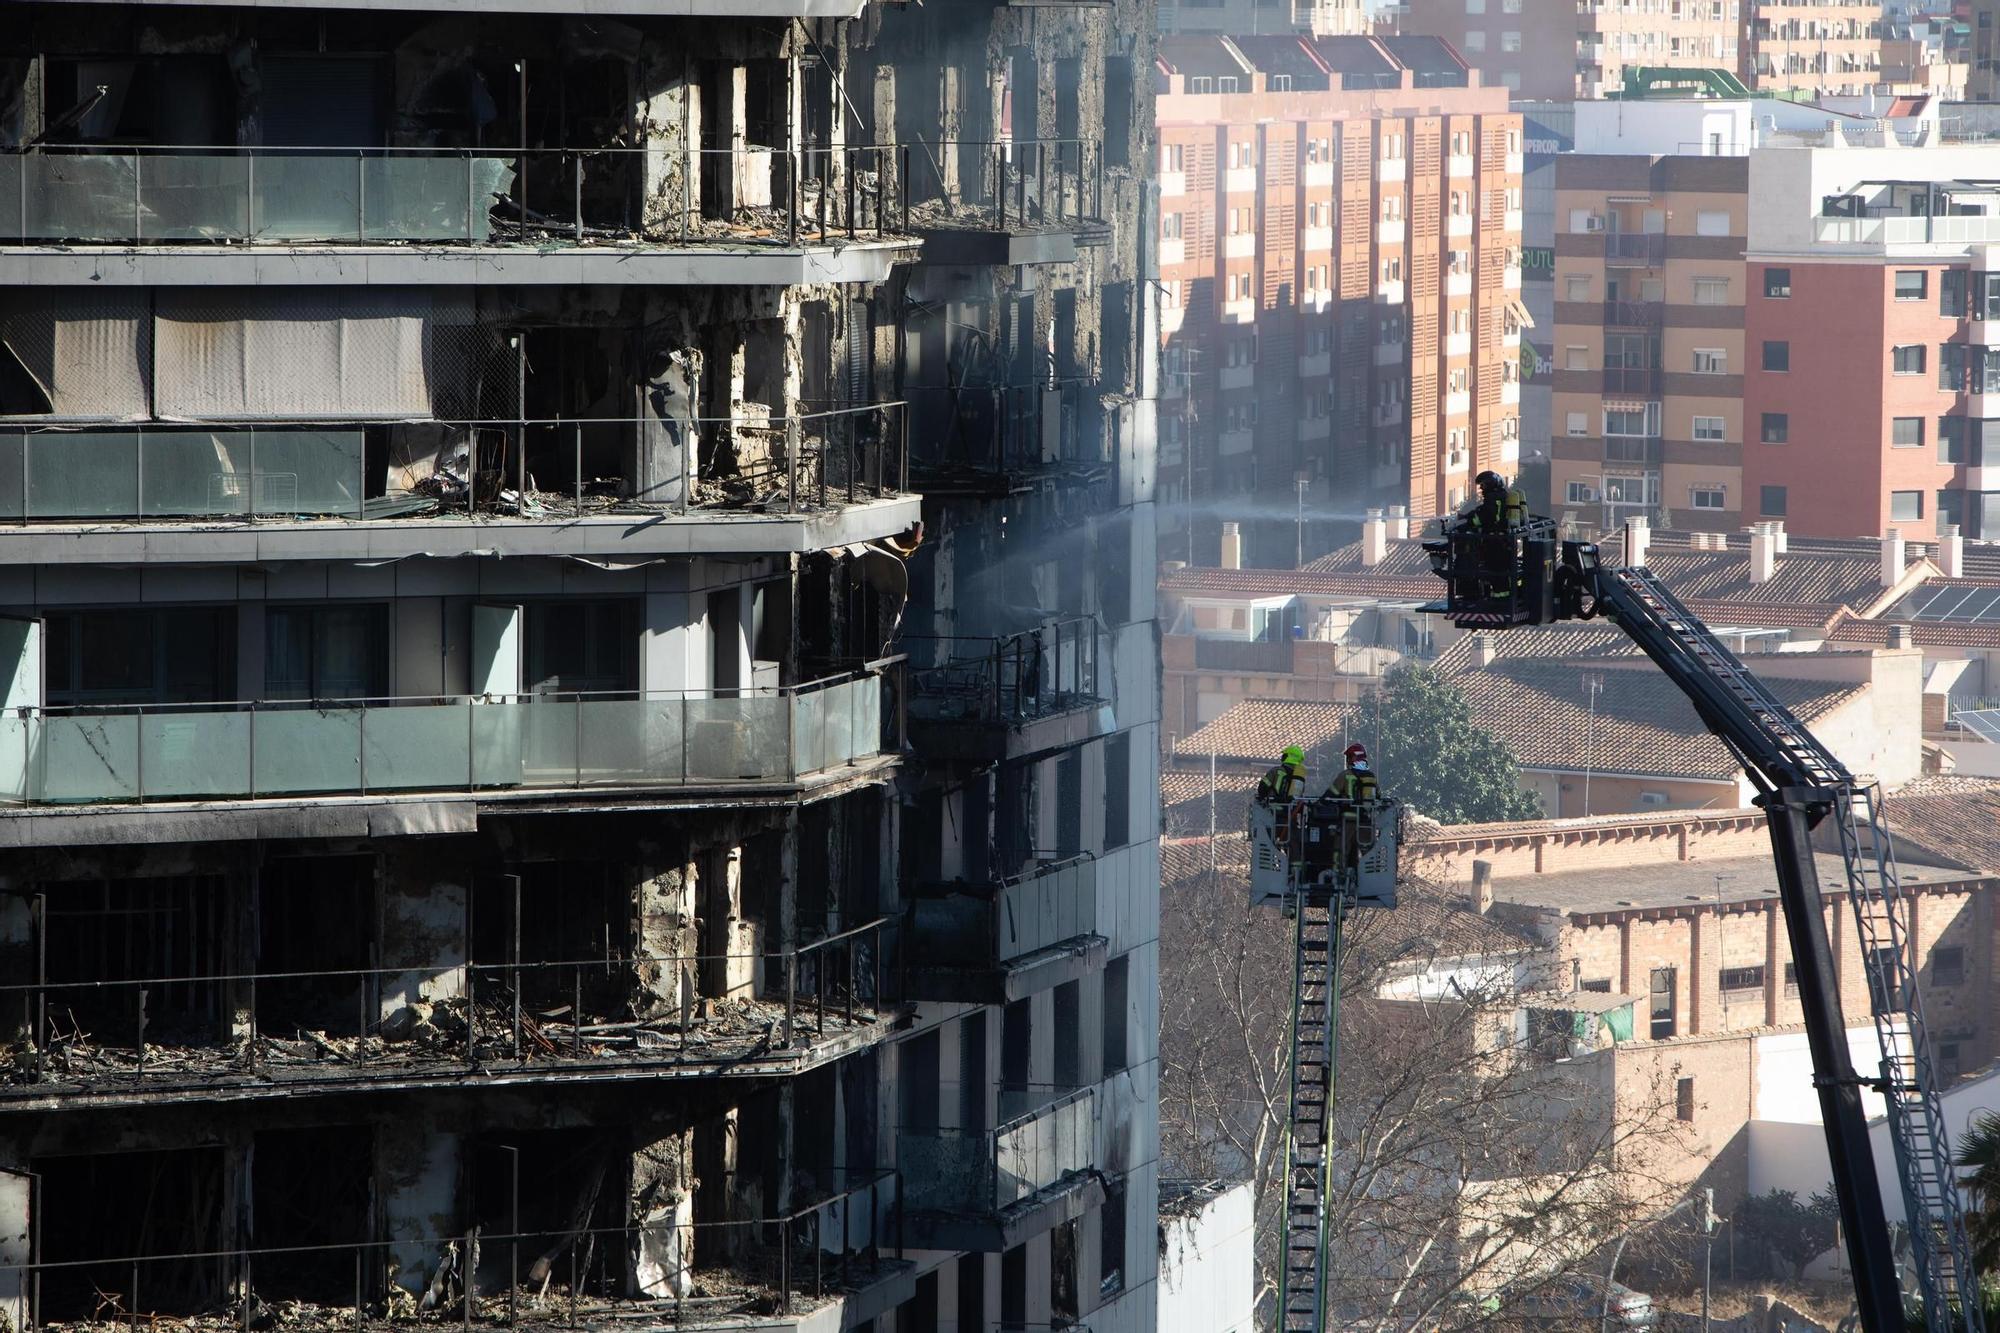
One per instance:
[(1966, 605), (1983, 722)]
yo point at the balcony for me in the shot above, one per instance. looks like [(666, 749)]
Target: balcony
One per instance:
[(102, 1038), (89, 494), (1633, 449), (222, 215), (990, 1190), (1634, 314), (981, 699), (1883, 233), (997, 440), (1644, 380), (832, 1257), (1625, 250), (1001, 941), (983, 203), (495, 747)]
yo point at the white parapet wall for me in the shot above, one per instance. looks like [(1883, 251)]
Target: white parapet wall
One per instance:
[(1208, 1269)]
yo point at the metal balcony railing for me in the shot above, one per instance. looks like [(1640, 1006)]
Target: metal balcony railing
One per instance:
[(169, 1032), (1633, 379), (1634, 314), (209, 194), (1627, 250), (172, 752), (1004, 184), (669, 1270), (540, 467), (1011, 679), (985, 430), (1633, 449), (985, 1171), (991, 924)]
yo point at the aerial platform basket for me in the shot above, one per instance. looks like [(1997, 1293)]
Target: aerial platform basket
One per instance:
[(1302, 848)]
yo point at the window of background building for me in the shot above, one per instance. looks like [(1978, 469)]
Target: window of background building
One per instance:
[(1392, 270), (1510, 41), (1576, 358), (1777, 355), (1711, 291), (1579, 423), (1576, 287), (1281, 83), (1170, 226), (1906, 506), (1777, 282), (1226, 83), (1711, 361), (1201, 83), (1708, 428), (1776, 428), (1475, 40), (1579, 493), (1951, 293), (1510, 79), (1951, 437), (1771, 501), (1707, 497), (1173, 157), (1948, 966), (1684, 1099), (1912, 284), (1908, 359), (1711, 222), (1475, 6), (1906, 432), (1662, 1003), (1742, 978)]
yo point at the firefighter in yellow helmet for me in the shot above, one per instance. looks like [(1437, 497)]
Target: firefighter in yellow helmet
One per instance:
[(1286, 780)]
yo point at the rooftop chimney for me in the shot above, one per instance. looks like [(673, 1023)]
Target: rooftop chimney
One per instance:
[(1892, 557), (1763, 553), (1399, 523), (1484, 649), (1638, 537), (1481, 900), (1374, 538), (1901, 636), (1232, 546), (1777, 526), (1950, 552)]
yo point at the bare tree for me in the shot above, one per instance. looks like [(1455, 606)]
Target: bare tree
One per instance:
[(1471, 1167)]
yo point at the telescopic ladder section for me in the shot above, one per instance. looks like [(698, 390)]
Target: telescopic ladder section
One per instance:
[(1882, 918), (1315, 1024)]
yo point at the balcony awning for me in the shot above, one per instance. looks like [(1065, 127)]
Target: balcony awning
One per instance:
[(1520, 313)]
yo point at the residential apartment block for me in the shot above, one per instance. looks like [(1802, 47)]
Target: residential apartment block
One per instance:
[(1340, 271), (1646, 415), (1324, 18), (1983, 54), (1873, 373), (581, 696)]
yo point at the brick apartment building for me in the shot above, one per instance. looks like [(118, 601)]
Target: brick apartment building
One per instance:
[(1872, 384), (1647, 413), (1339, 256), (1324, 18)]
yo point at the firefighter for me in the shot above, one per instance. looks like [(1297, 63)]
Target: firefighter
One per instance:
[(1490, 524), (1354, 790), (1286, 781)]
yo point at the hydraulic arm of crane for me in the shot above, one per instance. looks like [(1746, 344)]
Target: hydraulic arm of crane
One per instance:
[(1497, 581)]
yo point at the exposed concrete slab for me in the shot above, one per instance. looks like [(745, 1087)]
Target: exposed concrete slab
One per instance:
[(236, 821), (1013, 980), (700, 532), (990, 1233), (972, 246), (450, 265)]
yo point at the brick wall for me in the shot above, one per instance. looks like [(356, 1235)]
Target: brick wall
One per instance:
[(1554, 846)]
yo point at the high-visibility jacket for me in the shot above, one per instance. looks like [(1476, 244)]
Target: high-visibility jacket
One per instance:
[(1285, 782)]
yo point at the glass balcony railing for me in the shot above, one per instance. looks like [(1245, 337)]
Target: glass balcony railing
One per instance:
[(987, 925), (530, 467), (163, 194), (369, 746), (985, 1171)]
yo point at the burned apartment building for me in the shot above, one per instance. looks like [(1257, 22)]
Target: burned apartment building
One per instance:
[(580, 694)]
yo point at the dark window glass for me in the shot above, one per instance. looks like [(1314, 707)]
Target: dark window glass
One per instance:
[(1951, 293), (1777, 282), (1662, 1008), (131, 656), (1777, 355), (1771, 500), (1777, 428), (1906, 432), (1912, 284), (1684, 1099), (1908, 360), (1948, 966)]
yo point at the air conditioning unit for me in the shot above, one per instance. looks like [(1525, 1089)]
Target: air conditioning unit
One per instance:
[(1593, 223), (1587, 496)]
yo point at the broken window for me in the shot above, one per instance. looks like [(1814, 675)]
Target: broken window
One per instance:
[(169, 933), (115, 1207), (310, 1201), (172, 100), (562, 1192), (568, 925), (313, 937), (1069, 1034), (1014, 1286)]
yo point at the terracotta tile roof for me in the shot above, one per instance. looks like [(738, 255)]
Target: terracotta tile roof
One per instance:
[(1567, 640), (1184, 797), (1812, 573), (1643, 724), (1387, 579), (1948, 820), (1254, 731), (1850, 632)]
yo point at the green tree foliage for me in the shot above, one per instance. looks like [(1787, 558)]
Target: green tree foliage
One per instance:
[(1791, 1232), (1431, 754), (1979, 1153)]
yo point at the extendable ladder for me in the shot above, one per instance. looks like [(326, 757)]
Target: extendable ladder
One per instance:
[(1309, 1128)]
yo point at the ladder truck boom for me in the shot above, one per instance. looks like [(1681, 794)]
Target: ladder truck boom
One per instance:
[(1525, 576)]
